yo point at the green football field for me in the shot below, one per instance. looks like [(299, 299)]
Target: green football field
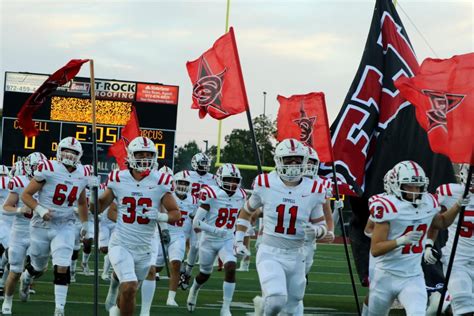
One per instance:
[(329, 292)]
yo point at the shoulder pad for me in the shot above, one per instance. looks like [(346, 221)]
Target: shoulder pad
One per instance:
[(46, 165), (262, 180), (382, 209), (164, 179), (113, 176)]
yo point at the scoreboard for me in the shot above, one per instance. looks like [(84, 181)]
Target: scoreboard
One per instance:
[(68, 112)]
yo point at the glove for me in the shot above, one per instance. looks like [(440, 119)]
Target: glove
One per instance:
[(84, 229), (463, 202), (165, 236), (409, 238), (338, 204), (220, 232), (329, 237), (431, 255), (240, 250), (315, 231), (93, 182), (23, 210), (153, 214)]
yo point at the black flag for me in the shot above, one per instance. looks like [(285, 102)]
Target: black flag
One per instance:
[(376, 128)]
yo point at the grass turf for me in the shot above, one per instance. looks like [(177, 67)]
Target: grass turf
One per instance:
[(329, 292)]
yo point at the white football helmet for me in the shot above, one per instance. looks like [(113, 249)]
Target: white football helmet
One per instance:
[(4, 171), (141, 144), (290, 147), (18, 169), (410, 173), (201, 162), (228, 172), (69, 158), (31, 163), (312, 165), (166, 169), (182, 183), (386, 182), (463, 175)]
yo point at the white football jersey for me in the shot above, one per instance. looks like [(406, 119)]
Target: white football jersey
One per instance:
[(16, 185), (60, 191), (403, 217), (448, 194), (187, 207), (224, 209), (8, 220), (133, 230), (286, 210), (198, 181)]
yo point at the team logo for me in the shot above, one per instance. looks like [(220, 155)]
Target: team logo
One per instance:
[(306, 125), (207, 90), (441, 104)]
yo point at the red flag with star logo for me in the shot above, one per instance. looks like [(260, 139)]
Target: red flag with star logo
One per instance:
[(443, 93), (304, 117), (218, 85)]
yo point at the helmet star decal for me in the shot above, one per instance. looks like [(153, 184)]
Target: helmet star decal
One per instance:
[(441, 104), (208, 89)]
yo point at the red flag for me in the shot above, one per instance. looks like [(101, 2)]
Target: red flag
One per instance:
[(218, 84), (130, 131), (34, 102), (442, 92), (304, 117)]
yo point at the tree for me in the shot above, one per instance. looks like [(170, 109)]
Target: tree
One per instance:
[(182, 161)]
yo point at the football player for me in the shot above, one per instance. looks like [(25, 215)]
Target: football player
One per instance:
[(106, 228), (199, 177), (292, 207), (461, 281), (402, 219), (5, 226), (60, 185), (139, 192), (187, 205), (20, 233), (218, 208)]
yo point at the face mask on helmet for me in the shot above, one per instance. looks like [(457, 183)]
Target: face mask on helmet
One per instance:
[(4, 171), (312, 165), (181, 183), (141, 154), (31, 163), (409, 182), (18, 169), (69, 151), (290, 160), (228, 177), (201, 162), (386, 182)]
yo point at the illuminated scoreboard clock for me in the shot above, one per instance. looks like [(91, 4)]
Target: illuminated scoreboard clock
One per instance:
[(67, 112)]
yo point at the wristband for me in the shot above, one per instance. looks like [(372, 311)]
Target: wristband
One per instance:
[(239, 236), (243, 222), (41, 210)]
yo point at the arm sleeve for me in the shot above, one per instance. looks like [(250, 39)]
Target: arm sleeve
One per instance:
[(199, 221)]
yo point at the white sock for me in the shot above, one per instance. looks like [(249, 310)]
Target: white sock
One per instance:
[(171, 295), (365, 310), (229, 289), (106, 264), (192, 254), (60, 294), (73, 266), (85, 257), (300, 308), (148, 291), (8, 300)]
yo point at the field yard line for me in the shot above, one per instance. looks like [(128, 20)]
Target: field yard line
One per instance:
[(208, 290)]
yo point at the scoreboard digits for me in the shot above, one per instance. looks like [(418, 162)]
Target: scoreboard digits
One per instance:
[(156, 107)]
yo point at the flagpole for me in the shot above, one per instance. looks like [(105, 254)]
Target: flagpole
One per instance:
[(455, 241), (341, 220), (95, 192), (219, 125)]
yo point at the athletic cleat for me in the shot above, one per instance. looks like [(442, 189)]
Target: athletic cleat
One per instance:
[(244, 266), (24, 289), (6, 308), (225, 311), (105, 277), (114, 311), (59, 312), (191, 301), (73, 277), (184, 280), (258, 305), (171, 302), (85, 268), (31, 290)]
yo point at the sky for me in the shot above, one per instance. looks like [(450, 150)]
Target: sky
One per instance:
[(285, 47)]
